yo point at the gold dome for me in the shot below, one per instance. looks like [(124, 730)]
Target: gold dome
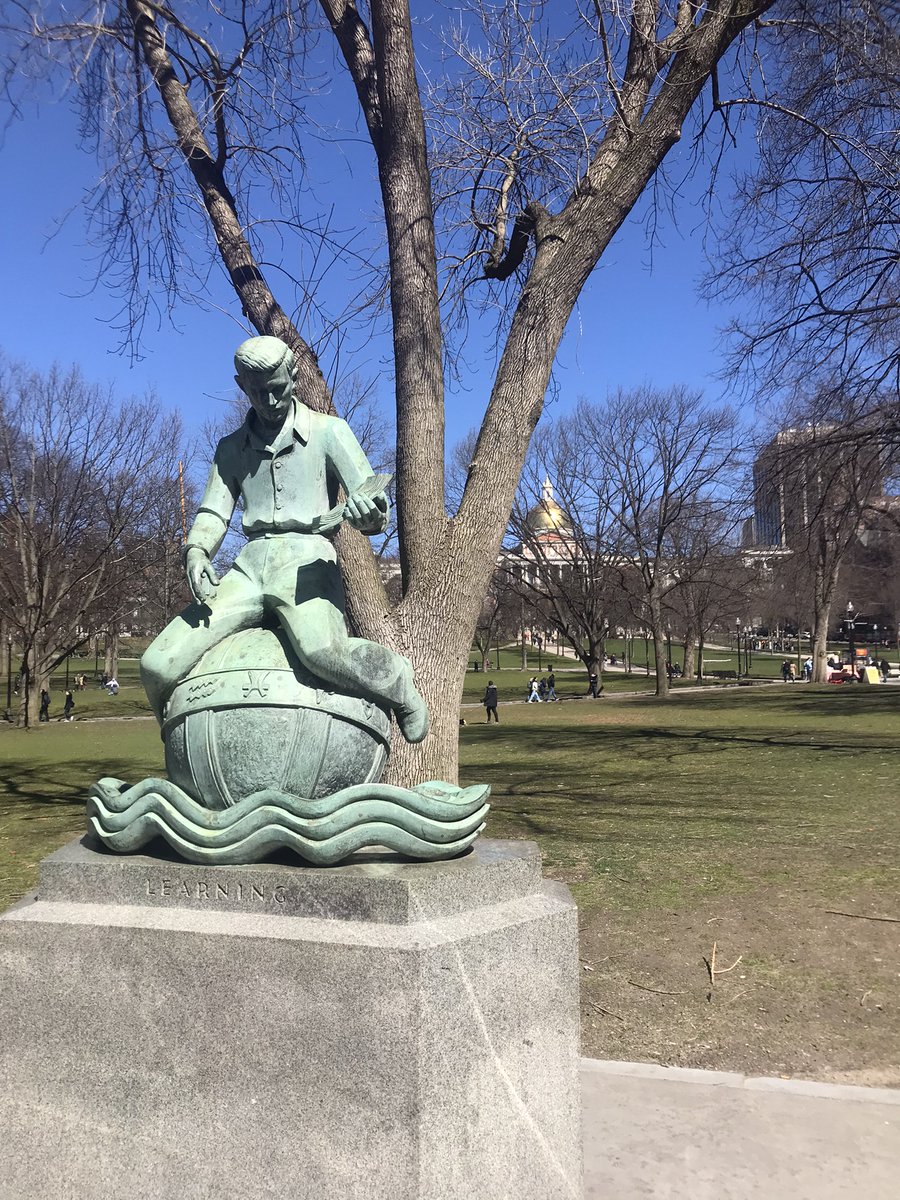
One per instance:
[(547, 516)]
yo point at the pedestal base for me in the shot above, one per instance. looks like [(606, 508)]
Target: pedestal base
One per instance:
[(379, 1030)]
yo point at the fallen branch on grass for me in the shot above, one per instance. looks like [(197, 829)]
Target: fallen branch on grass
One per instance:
[(605, 1011), (714, 971), (836, 912), (656, 991)]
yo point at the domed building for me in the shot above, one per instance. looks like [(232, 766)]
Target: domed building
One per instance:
[(546, 521)]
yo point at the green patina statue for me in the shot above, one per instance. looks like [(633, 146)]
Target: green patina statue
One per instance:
[(285, 463), (276, 722)]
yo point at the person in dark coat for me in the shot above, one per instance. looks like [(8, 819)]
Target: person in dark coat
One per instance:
[(68, 706), (44, 714), (490, 701)]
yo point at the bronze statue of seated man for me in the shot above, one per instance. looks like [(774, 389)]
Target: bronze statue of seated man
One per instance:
[(285, 463)]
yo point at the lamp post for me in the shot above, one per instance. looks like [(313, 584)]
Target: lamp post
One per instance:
[(9, 677), (850, 624), (669, 651), (738, 640), (540, 646)]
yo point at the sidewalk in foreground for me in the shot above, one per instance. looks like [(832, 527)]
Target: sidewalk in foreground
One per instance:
[(667, 1134)]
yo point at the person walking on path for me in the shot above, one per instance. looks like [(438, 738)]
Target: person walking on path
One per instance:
[(884, 668), (534, 693), (786, 671), (807, 670), (592, 685), (551, 687), (44, 714), (792, 672), (490, 701), (68, 706)]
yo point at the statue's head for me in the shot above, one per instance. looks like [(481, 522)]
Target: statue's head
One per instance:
[(266, 370)]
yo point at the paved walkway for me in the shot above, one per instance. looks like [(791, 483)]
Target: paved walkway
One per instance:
[(671, 1134)]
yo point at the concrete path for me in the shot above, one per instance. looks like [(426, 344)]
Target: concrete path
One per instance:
[(673, 1134)]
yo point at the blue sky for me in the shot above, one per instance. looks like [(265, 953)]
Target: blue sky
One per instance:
[(640, 318)]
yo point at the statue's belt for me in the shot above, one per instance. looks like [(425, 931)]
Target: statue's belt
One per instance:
[(277, 533)]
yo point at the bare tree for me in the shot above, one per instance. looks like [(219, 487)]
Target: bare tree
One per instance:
[(498, 617), (815, 236), (711, 594), (666, 459), (217, 111), (79, 476), (569, 555), (823, 489)]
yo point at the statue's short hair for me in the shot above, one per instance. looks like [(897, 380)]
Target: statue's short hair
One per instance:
[(262, 354)]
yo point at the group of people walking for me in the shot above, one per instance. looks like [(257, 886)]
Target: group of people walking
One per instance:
[(68, 706), (541, 690), (108, 684)]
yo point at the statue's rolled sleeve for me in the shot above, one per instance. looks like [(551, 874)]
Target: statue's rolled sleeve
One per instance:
[(348, 461), (217, 506)]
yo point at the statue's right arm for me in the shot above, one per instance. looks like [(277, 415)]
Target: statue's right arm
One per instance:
[(211, 523)]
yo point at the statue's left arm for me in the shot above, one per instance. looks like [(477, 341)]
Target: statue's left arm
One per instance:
[(347, 460)]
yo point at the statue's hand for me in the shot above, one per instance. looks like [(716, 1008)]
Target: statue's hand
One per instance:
[(366, 513), (201, 575)]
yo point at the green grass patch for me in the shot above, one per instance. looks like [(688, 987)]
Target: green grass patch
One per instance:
[(664, 802), (44, 777)]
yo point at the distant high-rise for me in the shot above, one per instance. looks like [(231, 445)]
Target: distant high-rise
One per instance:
[(799, 472)]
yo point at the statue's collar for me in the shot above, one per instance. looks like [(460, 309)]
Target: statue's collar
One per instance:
[(300, 426)]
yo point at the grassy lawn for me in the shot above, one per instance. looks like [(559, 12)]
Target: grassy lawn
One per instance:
[(736, 817), (733, 816), (44, 777)]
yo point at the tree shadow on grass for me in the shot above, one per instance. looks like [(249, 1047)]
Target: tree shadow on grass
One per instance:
[(60, 784), (519, 745), (846, 700)]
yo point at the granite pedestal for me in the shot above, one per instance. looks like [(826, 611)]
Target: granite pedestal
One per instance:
[(376, 1030)]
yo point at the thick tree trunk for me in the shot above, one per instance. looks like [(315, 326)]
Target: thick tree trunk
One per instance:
[(821, 620), (820, 644), (440, 678), (824, 586), (690, 656), (111, 660)]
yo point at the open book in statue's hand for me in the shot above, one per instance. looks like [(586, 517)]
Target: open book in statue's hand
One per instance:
[(364, 509)]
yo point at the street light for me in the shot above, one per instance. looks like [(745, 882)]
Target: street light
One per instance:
[(850, 624), (737, 622)]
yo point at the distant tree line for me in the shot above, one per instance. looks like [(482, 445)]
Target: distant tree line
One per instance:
[(90, 520), (650, 536)]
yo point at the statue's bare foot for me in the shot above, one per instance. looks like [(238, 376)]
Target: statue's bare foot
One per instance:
[(412, 717)]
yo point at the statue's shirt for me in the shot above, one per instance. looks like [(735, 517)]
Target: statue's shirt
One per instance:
[(284, 484)]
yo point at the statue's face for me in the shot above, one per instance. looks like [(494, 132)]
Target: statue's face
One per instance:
[(269, 392)]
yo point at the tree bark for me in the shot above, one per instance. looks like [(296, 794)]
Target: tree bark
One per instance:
[(825, 585), (690, 655), (111, 658)]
